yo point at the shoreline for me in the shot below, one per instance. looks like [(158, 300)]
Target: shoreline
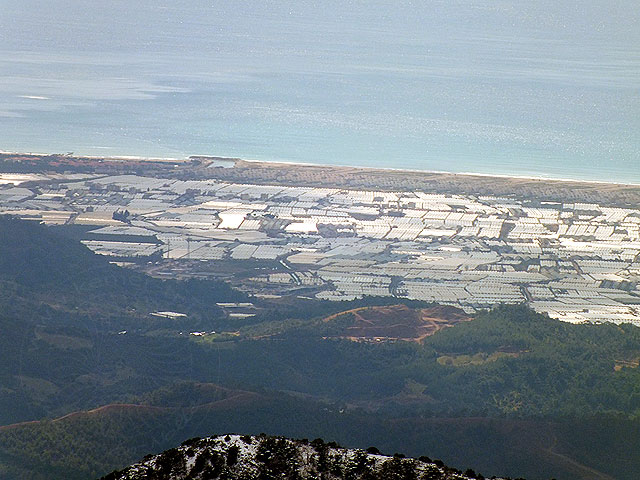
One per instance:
[(426, 172), (365, 169), (264, 172)]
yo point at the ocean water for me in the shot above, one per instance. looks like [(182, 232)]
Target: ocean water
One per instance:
[(541, 88)]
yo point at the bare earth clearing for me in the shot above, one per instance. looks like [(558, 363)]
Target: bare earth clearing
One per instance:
[(398, 322)]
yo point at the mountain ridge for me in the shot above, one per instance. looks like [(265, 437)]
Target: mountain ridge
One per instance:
[(243, 457)]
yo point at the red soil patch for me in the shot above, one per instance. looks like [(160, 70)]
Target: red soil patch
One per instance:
[(398, 322)]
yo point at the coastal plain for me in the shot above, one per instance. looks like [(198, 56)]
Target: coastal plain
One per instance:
[(567, 249)]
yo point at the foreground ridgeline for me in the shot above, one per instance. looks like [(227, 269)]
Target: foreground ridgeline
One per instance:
[(265, 457)]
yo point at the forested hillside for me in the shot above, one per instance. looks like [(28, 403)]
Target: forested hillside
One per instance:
[(556, 399), (72, 286)]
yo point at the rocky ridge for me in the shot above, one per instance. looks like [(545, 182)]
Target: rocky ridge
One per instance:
[(236, 457)]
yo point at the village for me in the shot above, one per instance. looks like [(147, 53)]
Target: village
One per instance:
[(577, 262)]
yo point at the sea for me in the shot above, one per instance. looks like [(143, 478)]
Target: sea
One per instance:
[(541, 88)]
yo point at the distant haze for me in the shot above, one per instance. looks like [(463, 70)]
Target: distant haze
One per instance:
[(509, 87)]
